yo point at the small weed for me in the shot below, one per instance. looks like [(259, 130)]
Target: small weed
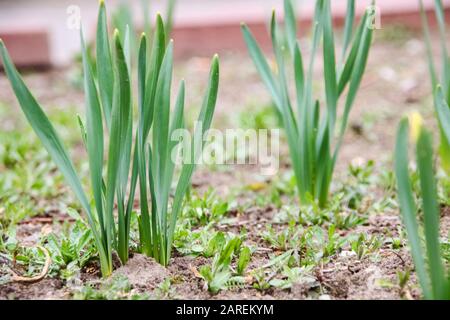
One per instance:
[(165, 290), (205, 209), (220, 275), (258, 117), (363, 245), (260, 281), (290, 276), (72, 249)]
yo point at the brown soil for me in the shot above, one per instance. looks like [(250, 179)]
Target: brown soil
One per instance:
[(344, 277)]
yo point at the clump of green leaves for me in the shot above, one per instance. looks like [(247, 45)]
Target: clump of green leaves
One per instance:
[(285, 239), (24, 261), (71, 249), (364, 245), (310, 129), (220, 274), (290, 276), (304, 246), (205, 209), (428, 259), (131, 158)]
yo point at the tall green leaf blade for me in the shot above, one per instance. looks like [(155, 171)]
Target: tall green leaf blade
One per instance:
[(408, 207), (307, 134), (323, 178), (105, 72), (161, 129), (299, 75), (329, 59), (355, 82), (176, 124), (125, 157), (156, 242), (127, 47), (424, 152), (285, 107), (118, 132), (94, 127), (154, 66), (261, 64), (290, 25), (140, 153), (205, 118), (348, 28), (347, 71)]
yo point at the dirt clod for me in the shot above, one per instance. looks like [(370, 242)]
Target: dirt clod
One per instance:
[(143, 272)]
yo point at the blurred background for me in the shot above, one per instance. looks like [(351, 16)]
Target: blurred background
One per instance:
[(40, 33)]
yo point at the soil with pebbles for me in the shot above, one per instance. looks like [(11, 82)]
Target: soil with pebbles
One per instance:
[(343, 277)]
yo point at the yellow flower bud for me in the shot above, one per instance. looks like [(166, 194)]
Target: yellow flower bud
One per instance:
[(415, 125)]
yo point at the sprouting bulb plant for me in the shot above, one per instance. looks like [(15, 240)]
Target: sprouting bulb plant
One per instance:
[(428, 258), (130, 158), (310, 129)]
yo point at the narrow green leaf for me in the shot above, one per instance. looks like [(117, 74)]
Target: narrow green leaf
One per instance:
[(161, 129), (94, 125), (140, 153), (323, 178), (424, 152), (261, 64), (299, 75), (408, 207), (121, 114), (205, 118), (154, 66), (127, 47), (105, 73), (349, 65), (329, 60), (285, 107), (355, 82), (176, 123), (348, 28), (290, 25)]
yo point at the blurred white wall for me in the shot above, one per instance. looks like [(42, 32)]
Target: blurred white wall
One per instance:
[(51, 15)]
